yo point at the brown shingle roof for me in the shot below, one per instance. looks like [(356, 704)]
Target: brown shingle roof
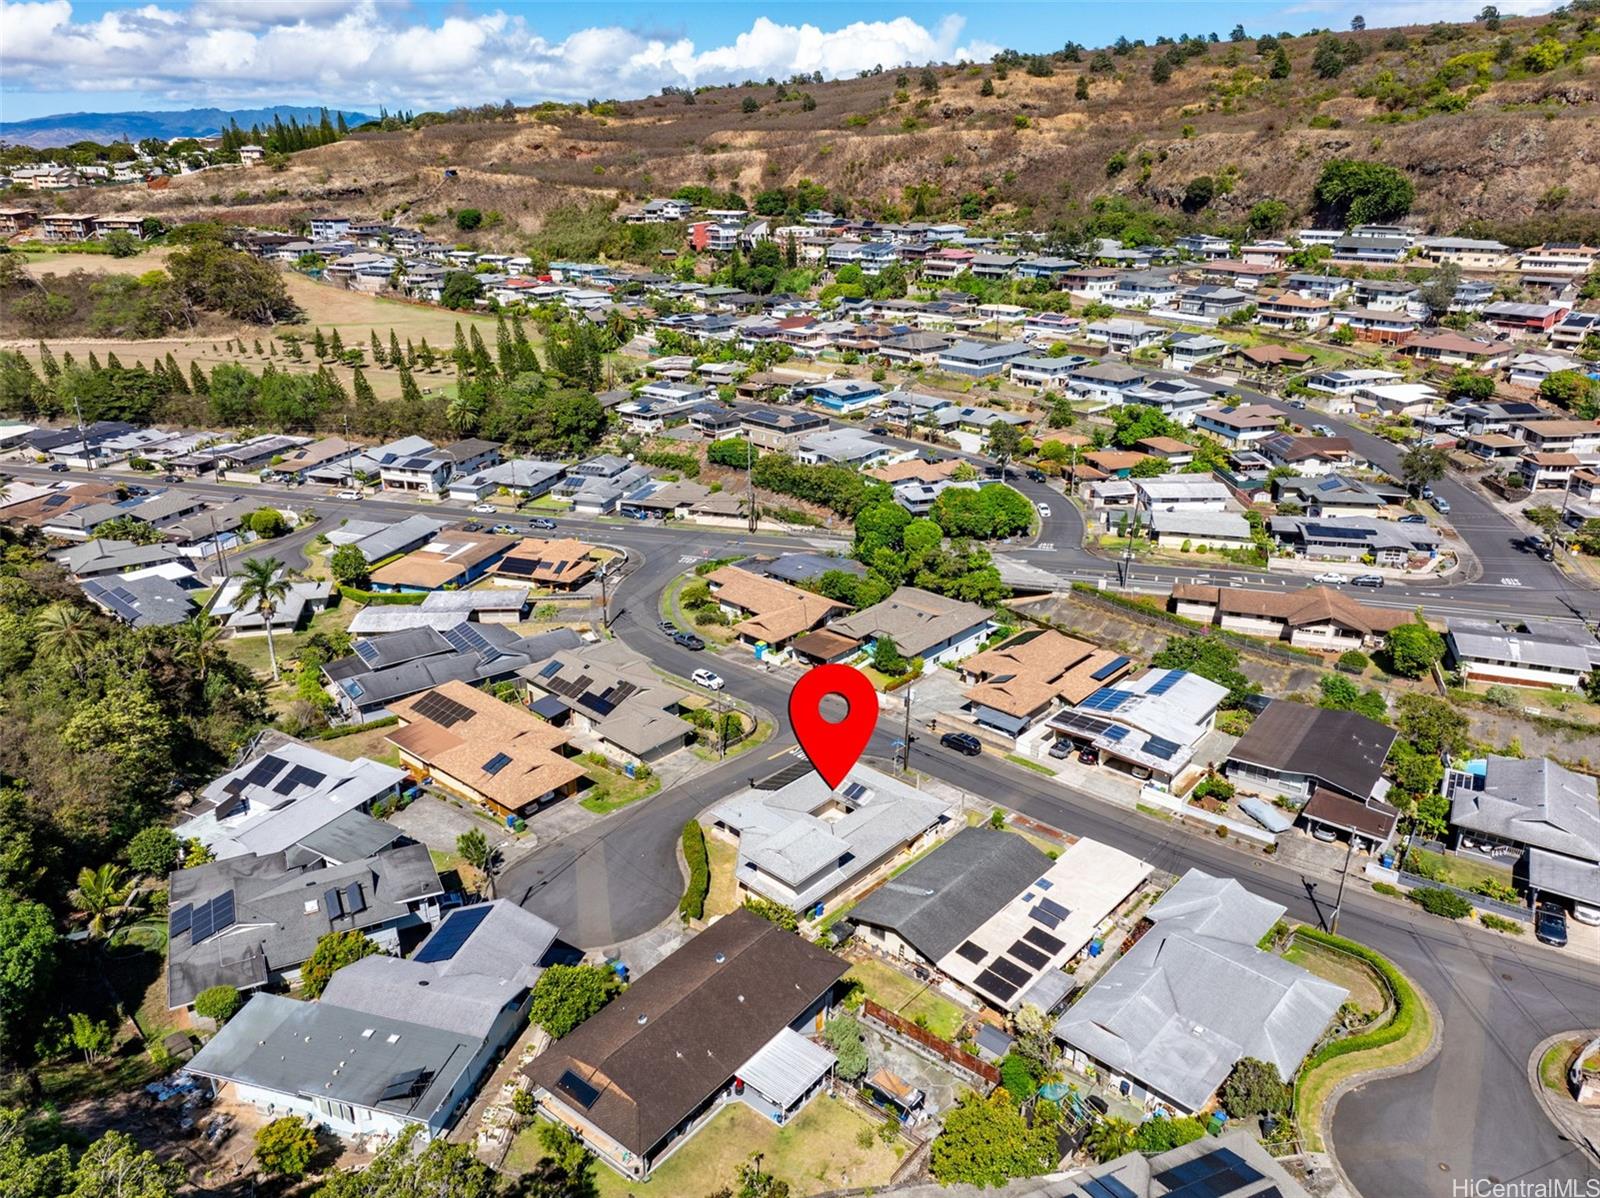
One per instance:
[(1030, 670), (563, 562), (443, 560), (1312, 605), (678, 1034), (777, 610), (917, 470)]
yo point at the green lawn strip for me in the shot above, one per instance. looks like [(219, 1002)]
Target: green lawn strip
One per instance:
[(909, 998), (1157, 812), (1404, 1037), (613, 791), (1553, 1065), (1460, 871), (1029, 763)]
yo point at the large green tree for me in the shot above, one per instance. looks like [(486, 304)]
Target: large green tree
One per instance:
[(1360, 192), (333, 952), (1413, 649), (987, 1142), (404, 1169), (29, 953), (1210, 657), (566, 995)]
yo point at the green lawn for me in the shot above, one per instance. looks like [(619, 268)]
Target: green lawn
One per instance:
[(1553, 1065), (613, 791), (252, 651), (908, 998), (1028, 763), (1465, 872), (1366, 991), (724, 859), (814, 1153)]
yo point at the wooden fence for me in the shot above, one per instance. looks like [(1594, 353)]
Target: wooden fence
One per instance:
[(943, 1049)]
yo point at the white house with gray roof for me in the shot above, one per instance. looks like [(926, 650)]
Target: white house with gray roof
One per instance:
[(806, 845), (1529, 654), (1175, 1014)]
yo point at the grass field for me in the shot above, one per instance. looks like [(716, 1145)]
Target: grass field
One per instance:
[(724, 858), (1365, 990), (908, 998), (1464, 872)]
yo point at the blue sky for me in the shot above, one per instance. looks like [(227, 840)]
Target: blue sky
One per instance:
[(66, 55)]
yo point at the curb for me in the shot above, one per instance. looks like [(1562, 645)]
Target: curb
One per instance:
[(1434, 1045), (1563, 1124)]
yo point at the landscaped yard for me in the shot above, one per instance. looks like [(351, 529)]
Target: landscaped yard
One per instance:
[(1465, 872), (818, 1151), (369, 744), (252, 652), (1353, 975), (724, 858), (612, 790), (1555, 1062), (908, 998)]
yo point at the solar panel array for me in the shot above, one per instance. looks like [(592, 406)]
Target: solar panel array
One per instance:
[(1084, 725), (264, 771), (1160, 746), (297, 777), (354, 901), (1054, 908), (1107, 698), (445, 943), (854, 791), (1214, 1175), (971, 952), (496, 763), (996, 985), (1106, 1187), (442, 710), (409, 1084), (1028, 955), (210, 918), (120, 600), (1165, 683), (333, 902), (466, 638), (1039, 915), (575, 1088), (1044, 940), (1110, 668), (178, 920), (367, 651), (1115, 733)]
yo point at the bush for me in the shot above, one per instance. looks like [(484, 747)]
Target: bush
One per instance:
[(154, 851), (1163, 1135), (693, 903), (1436, 900), (267, 523), (1353, 660), (1499, 923), (1386, 888), (218, 1004), (285, 1147), (1016, 1075), (773, 913)]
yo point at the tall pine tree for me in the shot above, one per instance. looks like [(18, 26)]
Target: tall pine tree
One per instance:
[(47, 362), (378, 357), (198, 382)]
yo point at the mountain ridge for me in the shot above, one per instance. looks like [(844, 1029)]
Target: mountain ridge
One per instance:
[(61, 129)]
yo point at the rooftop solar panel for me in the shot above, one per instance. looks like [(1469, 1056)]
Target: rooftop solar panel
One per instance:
[(222, 912), (333, 903), (1054, 908), (575, 1088), (1165, 683), (971, 952), (1028, 955), (1044, 884), (1114, 733), (1160, 746), (496, 763), (1039, 915), (354, 900), (1110, 668), (1107, 1187), (996, 985), (264, 771), (1044, 940), (447, 940), (367, 651), (854, 791), (1192, 1173), (178, 921), (442, 710)]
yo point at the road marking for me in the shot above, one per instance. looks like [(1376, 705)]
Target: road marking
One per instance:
[(1511, 582), (688, 559), (1046, 546)]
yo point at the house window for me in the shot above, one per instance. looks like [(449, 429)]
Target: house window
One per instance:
[(342, 1111)]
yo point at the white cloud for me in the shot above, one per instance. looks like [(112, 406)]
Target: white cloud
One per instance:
[(363, 53)]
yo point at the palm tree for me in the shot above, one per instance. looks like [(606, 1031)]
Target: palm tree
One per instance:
[(464, 413), (198, 641), (1110, 1138), (65, 633), (103, 896), (265, 583)]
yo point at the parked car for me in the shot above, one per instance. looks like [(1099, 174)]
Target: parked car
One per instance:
[(1329, 579), (668, 627), (136, 490), (543, 523), (1550, 925), (483, 507), (58, 467), (708, 679), (1368, 580), (688, 640), (1324, 833), (1061, 750), (879, 430), (1426, 492), (962, 742), (1442, 506), (349, 496), (472, 526), (1044, 511), (1584, 913), (1413, 518), (1090, 755)]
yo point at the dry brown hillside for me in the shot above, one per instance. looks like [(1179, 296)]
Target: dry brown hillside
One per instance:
[(1525, 146)]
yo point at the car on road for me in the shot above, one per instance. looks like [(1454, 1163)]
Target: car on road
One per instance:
[(1426, 492), (1413, 518), (543, 523), (1442, 506), (135, 490), (58, 467), (1044, 511), (472, 526), (668, 627), (1061, 750), (350, 496), (688, 640), (504, 530), (1550, 925), (1090, 755), (962, 742), (1035, 475), (706, 678), (1368, 580), (879, 430), (1322, 430), (1298, 404), (1329, 579), (171, 478), (483, 507)]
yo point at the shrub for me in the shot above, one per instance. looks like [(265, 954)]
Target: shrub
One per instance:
[(154, 851), (1353, 660), (1387, 888), (286, 1146), (773, 913), (218, 1003), (1163, 1135), (267, 523), (1499, 923), (693, 904), (1016, 1075), (1436, 900)]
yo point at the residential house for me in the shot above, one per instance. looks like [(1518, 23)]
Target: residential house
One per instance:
[(1377, 325), (604, 692), (67, 226), (443, 610), (1211, 303), (846, 447), (769, 614), (519, 477), (1122, 336), (1112, 381), (1185, 530), (780, 429), (599, 485), (1188, 493), (1175, 453), (969, 427), (1556, 268), (151, 601), (1185, 351), (1149, 726), (1313, 618), (1531, 369), (1466, 252), (808, 846), (1046, 372), (1538, 813), (282, 794), (486, 750), (1573, 329), (1310, 457), (1198, 967), (997, 917), (1525, 319), (452, 559), (1452, 349), (244, 617), (1244, 425), (1013, 688), (1370, 251), (1232, 1165), (915, 346), (1531, 653), (1178, 401), (1291, 312), (1321, 287), (841, 396), (976, 359), (563, 565), (394, 1055), (921, 624), (736, 1003), (253, 920), (1355, 538), (1052, 326)]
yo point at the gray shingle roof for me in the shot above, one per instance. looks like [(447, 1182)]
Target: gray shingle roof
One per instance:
[(950, 893), (1532, 801)]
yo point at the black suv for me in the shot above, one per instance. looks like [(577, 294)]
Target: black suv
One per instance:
[(962, 742), (1550, 925)]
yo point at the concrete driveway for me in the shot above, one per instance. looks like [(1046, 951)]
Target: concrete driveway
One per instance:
[(437, 823)]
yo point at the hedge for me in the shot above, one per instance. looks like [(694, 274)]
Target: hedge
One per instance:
[(387, 721), (1406, 1003), (1437, 900), (693, 903), (357, 595)]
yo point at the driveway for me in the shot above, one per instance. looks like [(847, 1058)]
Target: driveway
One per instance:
[(437, 824)]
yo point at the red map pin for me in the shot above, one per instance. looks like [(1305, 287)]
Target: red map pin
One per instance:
[(833, 748)]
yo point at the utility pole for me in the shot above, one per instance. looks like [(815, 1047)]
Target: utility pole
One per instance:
[(1338, 901), (216, 540), (83, 434), (750, 480), (605, 595), (905, 751)]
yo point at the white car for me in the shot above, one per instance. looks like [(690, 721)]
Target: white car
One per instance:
[(1332, 580), (705, 678), (1044, 511), (350, 495), (1584, 913), (483, 507)]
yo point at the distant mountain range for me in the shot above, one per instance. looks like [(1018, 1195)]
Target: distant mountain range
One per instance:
[(65, 128)]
